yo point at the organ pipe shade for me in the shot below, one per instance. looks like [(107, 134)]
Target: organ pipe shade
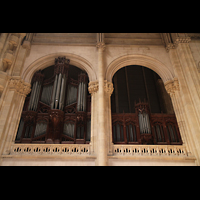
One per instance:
[(144, 123)]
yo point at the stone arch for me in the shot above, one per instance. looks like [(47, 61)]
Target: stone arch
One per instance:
[(146, 61), (49, 60)]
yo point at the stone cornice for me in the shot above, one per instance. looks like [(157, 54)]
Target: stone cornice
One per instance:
[(17, 84)]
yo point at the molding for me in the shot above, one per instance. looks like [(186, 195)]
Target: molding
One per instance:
[(48, 60), (161, 69), (17, 84)]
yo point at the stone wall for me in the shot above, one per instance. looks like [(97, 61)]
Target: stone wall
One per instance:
[(100, 55)]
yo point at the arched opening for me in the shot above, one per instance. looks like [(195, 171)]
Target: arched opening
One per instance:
[(142, 111), (58, 108)]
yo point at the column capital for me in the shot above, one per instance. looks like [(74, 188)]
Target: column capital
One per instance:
[(172, 40), (17, 84), (172, 86), (101, 46), (93, 87), (108, 87)]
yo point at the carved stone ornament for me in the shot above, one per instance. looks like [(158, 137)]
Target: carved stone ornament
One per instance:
[(172, 86), (61, 60), (19, 86), (101, 46), (93, 87), (177, 41), (182, 40), (108, 87)]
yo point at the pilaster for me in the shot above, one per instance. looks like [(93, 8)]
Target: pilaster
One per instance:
[(15, 93), (108, 88), (188, 113), (93, 90)]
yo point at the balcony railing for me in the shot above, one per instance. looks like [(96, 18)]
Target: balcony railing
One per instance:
[(150, 150), (50, 149)]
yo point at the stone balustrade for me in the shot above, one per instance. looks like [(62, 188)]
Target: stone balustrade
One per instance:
[(150, 150), (50, 149)]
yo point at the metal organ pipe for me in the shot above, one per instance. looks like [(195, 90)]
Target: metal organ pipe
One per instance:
[(61, 94), (82, 93), (79, 96), (58, 91), (54, 91), (144, 123), (84, 97), (35, 94)]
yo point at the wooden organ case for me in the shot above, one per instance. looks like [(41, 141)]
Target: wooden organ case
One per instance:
[(58, 108)]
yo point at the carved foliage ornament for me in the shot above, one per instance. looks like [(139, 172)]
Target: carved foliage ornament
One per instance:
[(93, 87), (178, 41), (101, 46), (19, 86), (172, 86), (108, 87)]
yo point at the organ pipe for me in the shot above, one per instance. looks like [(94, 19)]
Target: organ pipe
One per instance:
[(82, 97), (54, 91), (144, 123), (58, 91), (34, 98)]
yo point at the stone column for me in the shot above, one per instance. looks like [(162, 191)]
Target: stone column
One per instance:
[(172, 87), (102, 145), (185, 71), (93, 88), (10, 112), (108, 87)]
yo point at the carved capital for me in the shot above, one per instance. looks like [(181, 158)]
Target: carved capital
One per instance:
[(101, 46), (108, 87), (17, 84), (170, 46), (93, 87), (182, 40), (172, 86)]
